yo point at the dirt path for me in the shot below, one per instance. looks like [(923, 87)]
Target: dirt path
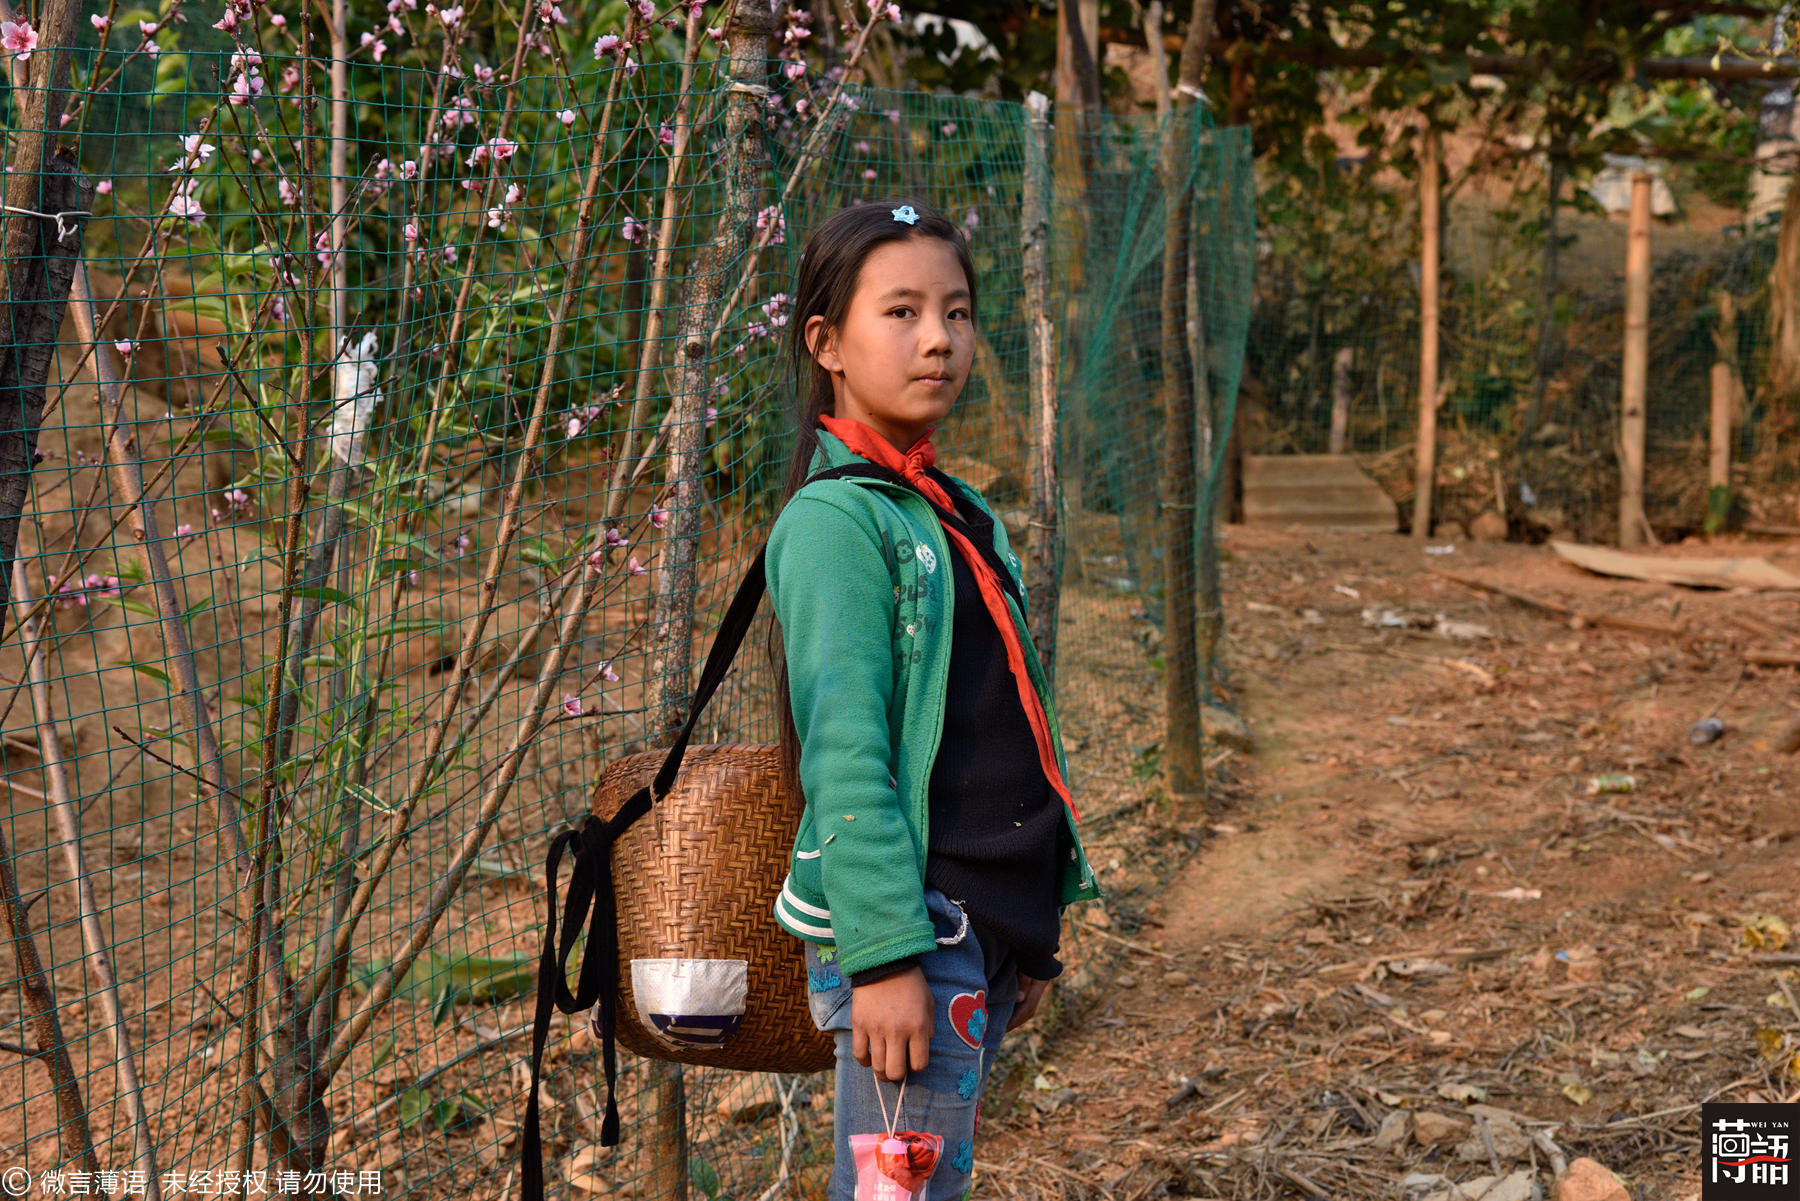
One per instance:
[(1410, 904)]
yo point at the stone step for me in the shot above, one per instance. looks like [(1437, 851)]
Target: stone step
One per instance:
[(1318, 491)]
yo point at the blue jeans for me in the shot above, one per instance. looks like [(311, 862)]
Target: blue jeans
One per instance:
[(974, 990)]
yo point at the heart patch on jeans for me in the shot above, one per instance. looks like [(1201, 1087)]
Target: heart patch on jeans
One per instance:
[(968, 1016)]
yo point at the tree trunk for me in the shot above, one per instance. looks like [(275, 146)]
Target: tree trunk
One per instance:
[(1046, 497), (1340, 398), (1430, 232), (1183, 774), (1634, 372), (1784, 323)]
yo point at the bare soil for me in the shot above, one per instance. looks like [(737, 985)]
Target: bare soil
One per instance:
[(1408, 900)]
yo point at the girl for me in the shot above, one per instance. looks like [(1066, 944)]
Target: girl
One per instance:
[(938, 845)]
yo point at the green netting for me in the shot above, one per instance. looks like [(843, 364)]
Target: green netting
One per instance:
[(330, 416)]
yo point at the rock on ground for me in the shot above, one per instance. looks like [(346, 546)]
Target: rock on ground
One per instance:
[(1587, 1180)]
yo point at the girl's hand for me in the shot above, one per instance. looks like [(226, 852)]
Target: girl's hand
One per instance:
[(1031, 992), (891, 1025)]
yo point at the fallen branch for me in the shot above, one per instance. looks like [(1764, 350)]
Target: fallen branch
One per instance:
[(1765, 658), (1562, 610)]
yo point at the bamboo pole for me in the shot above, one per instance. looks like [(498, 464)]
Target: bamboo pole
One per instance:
[(1430, 231), (93, 935), (1034, 238), (1633, 376)]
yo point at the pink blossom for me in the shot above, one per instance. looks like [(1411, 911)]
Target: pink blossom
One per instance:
[(514, 193), (971, 219), (630, 65), (605, 44), (245, 88), (571, 705), (377, 47), (776, 309), (794, 70), (194, 153), (277, 20), (862, 148), (462, 544), (714, 32), (633, 229), (497, 217), (659, 517), (614, 537), (567, 116), (152, 49), (126, 348), (503, 148), (597, 562), (410, 231), (665, 136), (184, 204), (99, 21), (484, 74), (450, 253), (948, 128), (712, 416), (239, 500), (646, 10), (634, 567), (182, 531), (607, 673), (104, 187), (289, 194), (551, 14), (147, 28), (450, 16), (228, 22), (893, 12), (868, 173), (773, 216), (409, 169), (573, 428)]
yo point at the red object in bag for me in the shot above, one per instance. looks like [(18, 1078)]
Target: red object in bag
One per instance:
[(895, 1167)]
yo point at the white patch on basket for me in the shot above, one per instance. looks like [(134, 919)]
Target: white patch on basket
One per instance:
[(928, 557), (695, 1001)]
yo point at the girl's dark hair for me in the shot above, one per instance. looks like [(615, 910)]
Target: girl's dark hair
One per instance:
[(830, 265)]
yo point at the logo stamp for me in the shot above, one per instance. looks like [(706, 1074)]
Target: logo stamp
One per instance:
[(1747, 1152)]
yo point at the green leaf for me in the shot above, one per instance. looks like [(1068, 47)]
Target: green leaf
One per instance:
[(384, 1052), (704, 1176), (415, 1103), (155, 673), (133, 605)]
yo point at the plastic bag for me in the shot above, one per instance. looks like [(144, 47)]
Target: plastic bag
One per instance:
[(896, 1165)]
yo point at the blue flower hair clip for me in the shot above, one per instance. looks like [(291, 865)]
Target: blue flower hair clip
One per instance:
[(906, 213)]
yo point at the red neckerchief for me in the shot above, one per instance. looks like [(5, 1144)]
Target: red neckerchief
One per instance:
[(870, 445)]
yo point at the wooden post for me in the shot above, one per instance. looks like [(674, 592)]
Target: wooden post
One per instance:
[(1340, 398), (1633, 375), (1034, 230), (1430, 230)]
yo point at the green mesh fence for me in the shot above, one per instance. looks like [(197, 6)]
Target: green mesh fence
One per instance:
[(407, 577), (1530, 374)]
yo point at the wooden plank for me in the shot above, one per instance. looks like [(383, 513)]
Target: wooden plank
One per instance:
[(1755, 574)]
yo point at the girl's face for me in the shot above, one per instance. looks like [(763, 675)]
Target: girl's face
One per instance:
[(899, 360)]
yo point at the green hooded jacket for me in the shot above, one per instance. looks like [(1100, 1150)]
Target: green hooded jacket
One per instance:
[(853, 565)]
